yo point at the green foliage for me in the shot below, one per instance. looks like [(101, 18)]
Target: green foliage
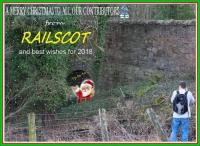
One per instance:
[(177, 12), (143, 90), (39, 80), (88, 108), (99, 54), (49, 94), (156, 77), (42, 75)]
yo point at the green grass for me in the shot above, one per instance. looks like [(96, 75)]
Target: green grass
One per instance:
[(87, 108), (143, 93)]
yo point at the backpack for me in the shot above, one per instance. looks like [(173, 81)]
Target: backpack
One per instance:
[(180, 103)]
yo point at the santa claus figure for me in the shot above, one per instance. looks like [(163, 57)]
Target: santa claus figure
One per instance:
[(85, 92)]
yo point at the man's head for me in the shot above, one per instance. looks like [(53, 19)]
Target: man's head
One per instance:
[(182, 85), (87, 87)]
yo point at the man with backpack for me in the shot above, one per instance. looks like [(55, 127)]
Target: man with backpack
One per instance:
[(181, 99)]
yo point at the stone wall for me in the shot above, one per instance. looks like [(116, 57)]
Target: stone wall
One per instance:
[(138, 50)]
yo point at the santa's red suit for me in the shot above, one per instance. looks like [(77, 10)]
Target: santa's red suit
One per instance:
[(86, 91)]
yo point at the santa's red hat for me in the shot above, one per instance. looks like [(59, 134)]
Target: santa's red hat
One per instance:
[(87, 82)]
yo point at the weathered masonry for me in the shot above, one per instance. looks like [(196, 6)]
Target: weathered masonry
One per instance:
[(137, 50)]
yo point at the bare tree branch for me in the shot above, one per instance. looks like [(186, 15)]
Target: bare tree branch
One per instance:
[(17, 111)]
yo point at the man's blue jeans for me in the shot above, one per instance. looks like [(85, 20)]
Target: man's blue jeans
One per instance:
[(182, 123)]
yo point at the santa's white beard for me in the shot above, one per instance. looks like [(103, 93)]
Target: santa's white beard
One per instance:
[(85, 93)]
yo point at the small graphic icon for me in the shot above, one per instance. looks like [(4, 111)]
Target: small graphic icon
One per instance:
[(82, 85), (85, 92), (124, 12)]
